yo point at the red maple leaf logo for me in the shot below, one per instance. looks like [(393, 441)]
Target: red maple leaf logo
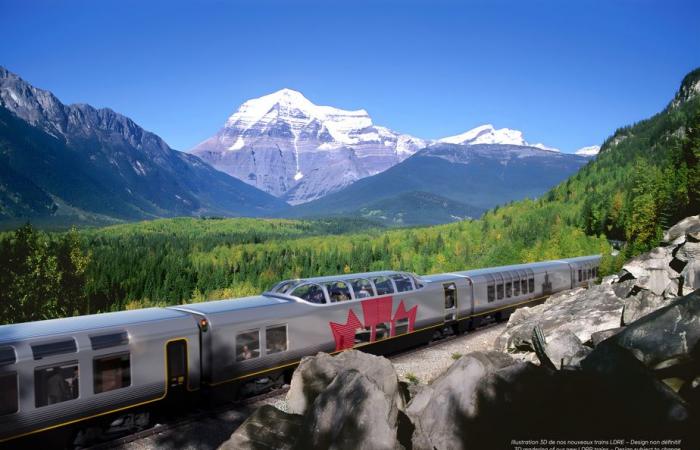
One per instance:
[(376, 312)]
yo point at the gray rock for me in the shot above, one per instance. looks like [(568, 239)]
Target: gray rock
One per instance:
[(641, 304), (266, 428), (578, 311), (688, 252), (435, 409), (624, 289), (353, 412), (566, 350), (651, 269), (677, 233), (315, 373), (610, 279), (666, 337), (691, 277), (627, 396), (600, 336)]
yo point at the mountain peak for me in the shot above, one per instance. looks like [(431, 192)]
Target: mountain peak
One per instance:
[(488, 134)]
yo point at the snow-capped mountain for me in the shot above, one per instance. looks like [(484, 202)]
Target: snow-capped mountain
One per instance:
[(591, 150), (286, 145), (487, 134), (294, 149)]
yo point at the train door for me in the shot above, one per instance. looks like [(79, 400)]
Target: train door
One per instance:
[(450, 290), (547, 285), (177, 365)]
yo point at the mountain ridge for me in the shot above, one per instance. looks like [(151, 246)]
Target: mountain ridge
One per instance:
[(136, 173)]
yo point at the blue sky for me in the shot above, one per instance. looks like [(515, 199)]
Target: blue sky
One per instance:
[(565, 73)]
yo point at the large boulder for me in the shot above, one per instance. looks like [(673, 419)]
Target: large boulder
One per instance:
[(652, 270), (688, 228), (580, 312), (315, 374), (641, 304), (267, 428), (353, 412), (618, 395), (666, 337), (440, 410)]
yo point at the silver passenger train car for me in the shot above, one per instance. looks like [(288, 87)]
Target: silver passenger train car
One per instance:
[(103, 369)]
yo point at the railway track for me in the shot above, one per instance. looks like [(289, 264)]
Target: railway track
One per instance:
[(201, 413)]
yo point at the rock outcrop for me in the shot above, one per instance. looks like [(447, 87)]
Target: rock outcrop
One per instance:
[(645, 284), (316, 373)]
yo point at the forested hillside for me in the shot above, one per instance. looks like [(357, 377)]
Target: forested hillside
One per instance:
[(646, 177)]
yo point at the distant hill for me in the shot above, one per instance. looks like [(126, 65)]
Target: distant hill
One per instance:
[(472, 178), (75, 163)]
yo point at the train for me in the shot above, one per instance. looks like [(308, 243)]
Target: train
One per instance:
[(107, 371)]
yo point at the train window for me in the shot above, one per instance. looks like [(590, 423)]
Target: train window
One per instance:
[(247, 345), (531, 284), (111, 372), (590, 273), (8, 394), (516, 288), (383, 285), (509, 289), (491, 293), (362, 288), (338, 291), (54, 348), (401, 326), (579, 275), (109, 340), (450, 295), (276, 339), (382, 331), (7, 356), (56, 384), (362, 335), (285, 286), (595, 272), (311, 293), (499, 290), (403, 283)]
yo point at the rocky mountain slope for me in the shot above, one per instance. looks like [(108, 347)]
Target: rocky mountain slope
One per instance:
[(477, 177), (84, 162)]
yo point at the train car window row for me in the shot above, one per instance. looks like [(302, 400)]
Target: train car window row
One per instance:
[(55, 384), (111, 372)]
